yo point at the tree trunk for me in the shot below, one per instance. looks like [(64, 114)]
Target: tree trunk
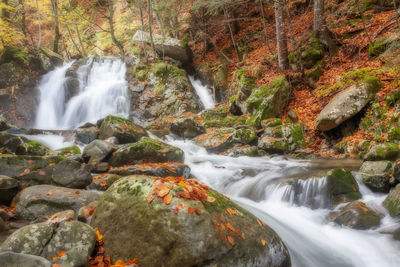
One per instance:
[(150, 14), (281, 39), (54, 6), (39, 26), (139, 6), (112, 32), (319, 19)]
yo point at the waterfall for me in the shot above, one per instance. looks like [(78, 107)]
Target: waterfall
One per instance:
[(203, 92), (101, 90)]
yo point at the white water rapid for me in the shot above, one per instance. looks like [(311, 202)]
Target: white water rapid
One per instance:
[(101, 90), (295, 209), (204, 93)]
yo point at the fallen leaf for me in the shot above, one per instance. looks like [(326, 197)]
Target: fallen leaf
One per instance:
[(231, 240), (167, 199), (149, 198)]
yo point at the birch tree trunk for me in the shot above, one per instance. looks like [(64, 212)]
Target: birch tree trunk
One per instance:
[(281, 38)]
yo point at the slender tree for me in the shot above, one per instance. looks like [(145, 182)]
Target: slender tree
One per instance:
[(281, 38), (319, 18)]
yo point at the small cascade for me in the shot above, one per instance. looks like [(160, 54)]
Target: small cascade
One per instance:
[(204, 93), (302, 192), (102, 90)]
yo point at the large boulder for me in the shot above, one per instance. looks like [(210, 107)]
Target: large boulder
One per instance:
[(146, 150), (179, 228), (67, 173), (379, 176), (282, 139), (166, 169), (356, 215), (385, 151), (45, 200), (12, 259), (269, 101), (123, 129), (219, 139), (392, 201), (69, 243), (97, 151), (16, 165), (187, 127), (347, 104), (8, 189), (166, 46), (342, 187)]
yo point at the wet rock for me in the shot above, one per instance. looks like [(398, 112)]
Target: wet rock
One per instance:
[(86, 135), (379, 176), (166, 46), (67, 173), (146, 150), (155, 169), (386, 151), (8, 189), (392, 201), (347, 104), (187, 127), (103, 182), (77, 239), (282, 139), (12, 259), (219, 139), (357, 215), (45, 200), (342, 187), (97, 151), (15, 165), (268, 102), (123, 129), (216, 237), (74, 238)]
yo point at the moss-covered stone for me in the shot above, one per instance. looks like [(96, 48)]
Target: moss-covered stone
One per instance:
[(123, 129), (385, 151), (268, 102), (342, 186), (357, 215), (146, 150), (392, 201), (185, 232), (71, 150)]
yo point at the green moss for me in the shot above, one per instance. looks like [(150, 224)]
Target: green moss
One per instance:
[(70, 150)]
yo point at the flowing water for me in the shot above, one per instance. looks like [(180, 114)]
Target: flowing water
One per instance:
[(102, 90), (295, 208)]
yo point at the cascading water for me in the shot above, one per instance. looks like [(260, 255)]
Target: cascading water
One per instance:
[(295, 208), (203, 92), (102, 90)]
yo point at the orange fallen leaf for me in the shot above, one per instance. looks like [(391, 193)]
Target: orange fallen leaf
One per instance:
[(59, 254), (231, 240), (167, 199), (149, 198)]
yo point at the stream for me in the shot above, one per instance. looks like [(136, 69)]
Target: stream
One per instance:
[(298, 214)]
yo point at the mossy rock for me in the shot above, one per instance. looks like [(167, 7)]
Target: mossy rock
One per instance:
[(392, 202), (342, 186), (146, 150), (268, 102), (123, 129), (357, 215), (71, 150), (182, 232), (385, 151)]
